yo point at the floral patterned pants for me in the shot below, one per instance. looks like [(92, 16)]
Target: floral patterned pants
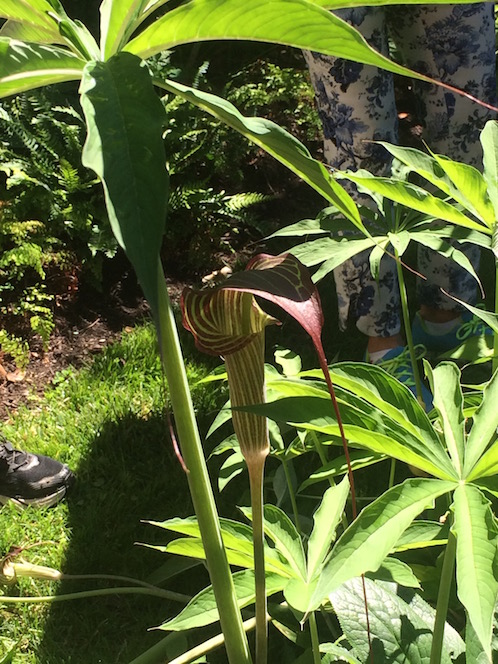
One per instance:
[(451, 43)]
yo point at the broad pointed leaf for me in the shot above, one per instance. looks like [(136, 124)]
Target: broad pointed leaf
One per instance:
[(448, 399), (26, 66), (124, 147), (202, 610), (118, 19), (369, 539), (297, 23), (483, 431), (449, 251), (326, 519), (477, 560), (277, 142)]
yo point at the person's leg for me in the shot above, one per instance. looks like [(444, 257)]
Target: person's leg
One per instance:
[(356, 105), (454, 44), (31, 479)]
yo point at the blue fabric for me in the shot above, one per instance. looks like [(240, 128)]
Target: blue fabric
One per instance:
[(452, 43)]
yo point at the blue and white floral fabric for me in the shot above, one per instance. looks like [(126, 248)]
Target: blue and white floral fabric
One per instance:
[(451, 43)]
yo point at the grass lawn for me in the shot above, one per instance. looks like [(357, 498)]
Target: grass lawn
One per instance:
[(107, 423)]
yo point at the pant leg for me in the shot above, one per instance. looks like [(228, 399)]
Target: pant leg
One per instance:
[(356, 104), (454, 44)]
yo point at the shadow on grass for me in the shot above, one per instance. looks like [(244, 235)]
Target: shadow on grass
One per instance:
[(129, 474)]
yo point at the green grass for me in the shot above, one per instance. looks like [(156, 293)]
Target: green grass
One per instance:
[(107, 422)]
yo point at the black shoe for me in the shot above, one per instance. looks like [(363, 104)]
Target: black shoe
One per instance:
[(31, 479)]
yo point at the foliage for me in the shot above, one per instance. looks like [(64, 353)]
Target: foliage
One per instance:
[(52, 222)]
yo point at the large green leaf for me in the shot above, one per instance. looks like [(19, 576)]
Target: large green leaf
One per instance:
[(124, 147), (118, 19), (483, 431), (28, 32), (33, 12), (399, 625), (413, 197), (369, 539), (477, 560), (297, 23), (26, 66), (202, 609), (277, 142), (448, 399)]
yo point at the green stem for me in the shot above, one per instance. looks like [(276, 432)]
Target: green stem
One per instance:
[(315, 641), (126, 590), (408, 328), (292, 494), (198, 478), (443, 599), (392, 471), (495, 336), (256, 468)]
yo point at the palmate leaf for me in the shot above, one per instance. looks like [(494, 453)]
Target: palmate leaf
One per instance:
[(477, 560), (277, 142), (374, 533), (464, 183), (26, 66), (124, 147), (414, 197)]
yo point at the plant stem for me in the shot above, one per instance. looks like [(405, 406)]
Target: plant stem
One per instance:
[(495, 336), (315, 641), (443, 598), (408, 328), (256, 467), (292, 494), (198, 478), (392, 471)]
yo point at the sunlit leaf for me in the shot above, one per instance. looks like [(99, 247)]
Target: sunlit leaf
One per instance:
[(483, 431), (27, 66), (477, 560), (202, 609), (374, 533)]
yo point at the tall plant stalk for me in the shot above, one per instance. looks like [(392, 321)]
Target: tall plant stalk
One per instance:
[(408, 329), (237, 647), (256, 467), (495, 342), (443, 598)]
